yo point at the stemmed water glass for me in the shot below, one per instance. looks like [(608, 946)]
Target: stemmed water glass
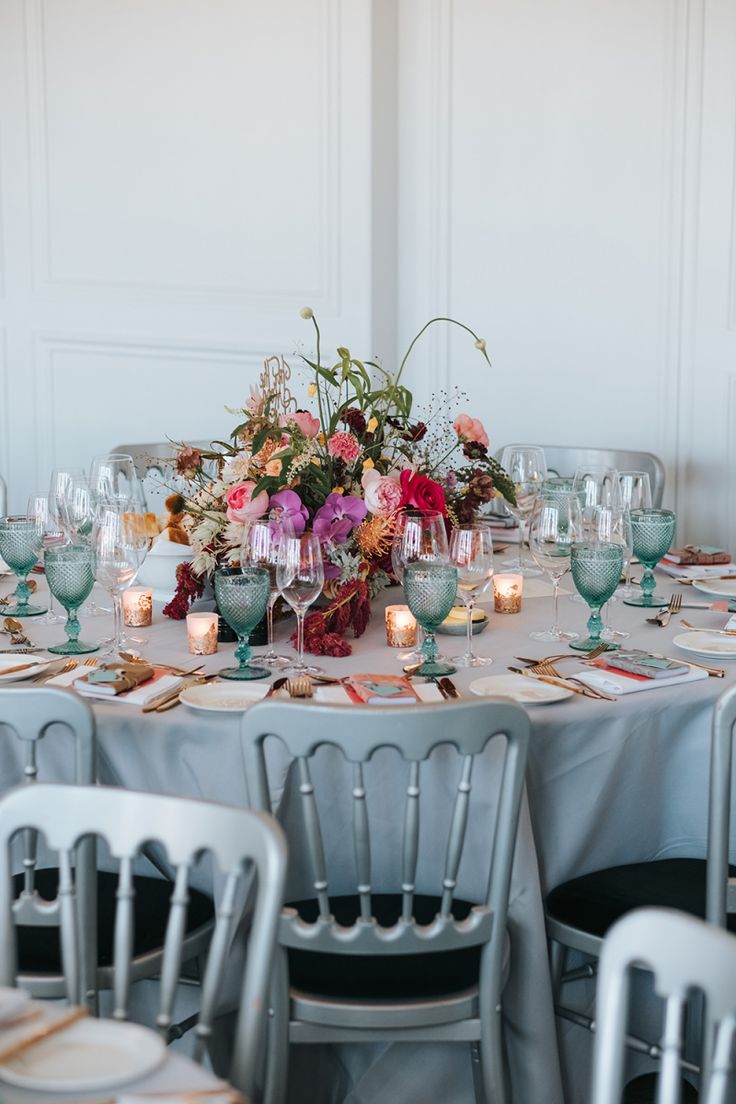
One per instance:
[(76, 504), (556, 525), (260, 548), (70, 573), (430, 589), (242, 599), (119, 541), (300, 576), (418, 537), (636, 494), (652, 533), (113, 477), (527, 468), (596, 570), (471, 551), (42, 507), (20, 546)]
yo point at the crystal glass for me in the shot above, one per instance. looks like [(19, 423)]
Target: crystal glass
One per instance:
[(431, 589), (560, 486), (76, 503), (112, 477), (471, 551), (260, 548), (556, 524), (20, 547), (242, 600), (119, 541), (636, 494), (652, 533), (300, 576), (527, 469), (418, 537), (70, 573), (43, 508), (596, 570)]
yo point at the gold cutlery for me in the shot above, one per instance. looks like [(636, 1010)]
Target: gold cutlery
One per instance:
[(300, 687), (547, 668), (701, 628), (42, 1033), (585, 658), (662, 618), (130, 658), (276, 685), (173, 692), (448, 689), (175, 699), (714, 672), (705, 579), (21, 667), (563, 684), (67, 665)]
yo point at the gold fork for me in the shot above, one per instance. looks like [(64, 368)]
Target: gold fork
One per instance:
[(713, 632), (663, 617), (299, 687), (68, 666), (547, 668), (592, 654)]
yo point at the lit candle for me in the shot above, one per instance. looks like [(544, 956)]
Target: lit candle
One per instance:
[(202, 633), (401, 627), (507, 589), (137, 606)]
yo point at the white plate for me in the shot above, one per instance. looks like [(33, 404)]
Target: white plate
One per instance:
[(707, 645), (224, 697), (13, 1002), (526, 691), (6, 661), (88, 1056), (718, 588)]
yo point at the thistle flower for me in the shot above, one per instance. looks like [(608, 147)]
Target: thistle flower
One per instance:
[(481, 344), (306, 312)]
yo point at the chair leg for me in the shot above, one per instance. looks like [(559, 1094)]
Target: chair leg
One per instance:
[(557, 955), (479, 1087), (277, 1033), (492, 1059)]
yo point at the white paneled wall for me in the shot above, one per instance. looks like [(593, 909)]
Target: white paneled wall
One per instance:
[(179, 177)]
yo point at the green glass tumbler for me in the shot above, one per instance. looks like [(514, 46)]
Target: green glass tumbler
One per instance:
[(652, 533), (431, 591), (596, 570), (21, 541), (242, 600), (70, 573)]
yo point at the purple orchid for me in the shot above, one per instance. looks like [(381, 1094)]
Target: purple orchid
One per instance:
[(336, 519), (287, 504)]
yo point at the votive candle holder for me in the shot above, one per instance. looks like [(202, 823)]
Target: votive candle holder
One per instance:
[(202, 633), (507, 592), (138, 606), (401, 627)]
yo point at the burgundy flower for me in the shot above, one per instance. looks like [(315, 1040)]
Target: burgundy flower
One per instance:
[(355, 419), (481, 486), (416, 432), (188, 460), (422, 493)]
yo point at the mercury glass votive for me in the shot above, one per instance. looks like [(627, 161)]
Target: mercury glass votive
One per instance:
[(507, 592), (202, 633), (138, 606), (401, 627)]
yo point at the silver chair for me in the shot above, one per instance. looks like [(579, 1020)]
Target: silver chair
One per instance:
[(580, 912), (33, 717), (240, 842), (565, 459), (156, 477), (3, 498), (684, 954), (393, 966), (153, 453)]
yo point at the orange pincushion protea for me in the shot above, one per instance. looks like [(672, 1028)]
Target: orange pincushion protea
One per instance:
[(374, 536)]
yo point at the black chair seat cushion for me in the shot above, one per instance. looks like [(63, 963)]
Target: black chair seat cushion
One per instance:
[(39, 950), (593, 902), (382, 977)]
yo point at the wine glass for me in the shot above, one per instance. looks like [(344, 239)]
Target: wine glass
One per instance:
[(119, 540), (418, 537), (300, 576), (636, 494), (260, 548), (113, 477), (556, 525), (242, 600), (20, 546), (70, 489), (42, 507), (430, 589), (471, 551), (596, 570), (600, 500), (70, 573), (527, 468), (652, 532)]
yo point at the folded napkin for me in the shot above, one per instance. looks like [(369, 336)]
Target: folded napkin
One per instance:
[(618, 682), (337, 695), (693, 571), (110, 679), (697, 554), (158, 683)]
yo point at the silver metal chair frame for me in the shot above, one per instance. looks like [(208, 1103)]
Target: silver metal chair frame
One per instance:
[(147, 455), (238, 840), (473, 1015), (683, 954), (565, 459), (3, 498)]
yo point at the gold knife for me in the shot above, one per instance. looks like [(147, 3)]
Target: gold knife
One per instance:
[(166, 695), (561, 683)]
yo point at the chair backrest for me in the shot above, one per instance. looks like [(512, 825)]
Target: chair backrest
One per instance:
[(721, 889), (564, 460), (158, 478), (413, 733), (683, 954), (239, 842), (3, 498)]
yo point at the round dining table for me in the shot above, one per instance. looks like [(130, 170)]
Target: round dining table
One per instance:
[(608, 782)]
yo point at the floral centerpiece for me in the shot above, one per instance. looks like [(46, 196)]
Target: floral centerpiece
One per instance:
[(346, 469)]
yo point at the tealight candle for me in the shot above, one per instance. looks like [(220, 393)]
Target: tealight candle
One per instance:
[(507, 590), (401, 627), (137, 606), (202, 633)]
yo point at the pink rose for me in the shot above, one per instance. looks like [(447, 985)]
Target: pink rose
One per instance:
[(381, 493), (241, 506), (303, 420), (470, 429)]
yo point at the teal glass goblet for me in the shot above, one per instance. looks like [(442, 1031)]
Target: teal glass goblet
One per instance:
[(431, 590), (242, 601), (21, 541), (652, 533), (596, 570), (70, 573)]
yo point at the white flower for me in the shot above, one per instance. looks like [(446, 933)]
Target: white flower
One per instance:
[(481, 344), (306, 312), (204, 563), (236, 470), (233, 535)]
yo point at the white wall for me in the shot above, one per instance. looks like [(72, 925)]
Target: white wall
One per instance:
[(179, 177)]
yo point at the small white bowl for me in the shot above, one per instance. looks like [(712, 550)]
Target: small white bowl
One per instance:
[(159, 568)]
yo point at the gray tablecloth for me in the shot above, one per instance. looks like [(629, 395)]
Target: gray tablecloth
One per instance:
[(608, 782)]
